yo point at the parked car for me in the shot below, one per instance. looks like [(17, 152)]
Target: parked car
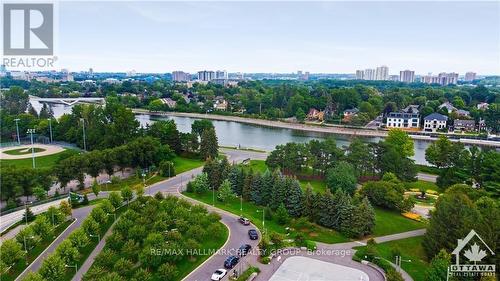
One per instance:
[(244, 221), (252, 233), (244, 249), (231, 262), (218, 274)]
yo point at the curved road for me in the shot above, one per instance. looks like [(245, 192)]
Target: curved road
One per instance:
[(237, 232)]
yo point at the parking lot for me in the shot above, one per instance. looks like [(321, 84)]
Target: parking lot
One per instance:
[(308, 269)]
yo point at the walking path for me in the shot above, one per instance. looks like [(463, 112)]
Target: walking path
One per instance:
[(48, 150)]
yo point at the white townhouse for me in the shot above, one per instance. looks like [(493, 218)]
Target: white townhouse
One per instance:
[(434, 122), (403, 120)]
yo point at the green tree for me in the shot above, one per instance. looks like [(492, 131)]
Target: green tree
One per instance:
[(11, 252), (33, 276), (209, 147), (439, 267), (166, 131), (127, 194), (300, 114), (79, 238), (28, 215), (167, 168), (201, 183), (53, 268), (401, 141), (39, 193), (281, 215), (68, 253), (42, 227), (225, 191), (116, 199), (90, 226), (199, 126), (167, 272), (364, 221), (96, 188), (342, 176), (15, 100), (65, 208)]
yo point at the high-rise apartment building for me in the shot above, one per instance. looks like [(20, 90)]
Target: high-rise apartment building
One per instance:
[(360, 75), (369, 74), (206, 75), (442, 78), (407, 76), (181, 76), (382, 73), (470, 76), (221, 74)]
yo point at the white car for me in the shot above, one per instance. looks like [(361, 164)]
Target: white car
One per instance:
[(219, 274)]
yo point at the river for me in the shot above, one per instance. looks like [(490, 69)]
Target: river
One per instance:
[(246, 135), (266, 138)]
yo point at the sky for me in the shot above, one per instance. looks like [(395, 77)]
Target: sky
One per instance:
[(280, 37)]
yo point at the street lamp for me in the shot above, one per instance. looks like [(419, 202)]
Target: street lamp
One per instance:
[(398, 262), (17, 131), (31, 131), (26, 247), (97, 235), (241, 205), (50, 128), (84, 141), (263, 219), (75, 266)]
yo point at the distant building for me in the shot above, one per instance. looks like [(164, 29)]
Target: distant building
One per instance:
[(412, 108), (169, 102), (206, 75), (369, 74), (360, 75), (464, 125), (315, 114), (394, 78), (181, 76), (470, 76), (220, 104), (382, 73), (403, 120), (449, 107), (221, 74), (462, 112), (407, 76), (434, 122), (443, 79), (482, 106), (350, 112)]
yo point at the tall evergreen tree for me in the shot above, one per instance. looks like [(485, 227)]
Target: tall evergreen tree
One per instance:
[(247, 185), (310, 204), (256, 193), (267, 187), (294, 198), (327, 210), (363, 220), (209, 147)]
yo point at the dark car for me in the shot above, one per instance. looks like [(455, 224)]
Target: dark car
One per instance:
[(252, 233), (231, 262), (244, 221), (244, 249)]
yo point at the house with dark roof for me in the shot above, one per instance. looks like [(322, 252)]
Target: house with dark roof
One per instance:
[(403, 120), (464, 125), (434, 122)]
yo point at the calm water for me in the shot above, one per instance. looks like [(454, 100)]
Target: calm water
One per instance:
[(265, 138), (246, 135)]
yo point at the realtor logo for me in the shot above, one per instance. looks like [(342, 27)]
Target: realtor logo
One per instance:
[(28, 29), (474, 252)]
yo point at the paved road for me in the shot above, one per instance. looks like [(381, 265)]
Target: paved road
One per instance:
[(427, 177)]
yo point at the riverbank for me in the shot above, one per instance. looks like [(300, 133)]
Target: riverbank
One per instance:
[(312, 128)]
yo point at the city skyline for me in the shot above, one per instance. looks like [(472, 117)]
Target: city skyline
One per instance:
[(326, 37)]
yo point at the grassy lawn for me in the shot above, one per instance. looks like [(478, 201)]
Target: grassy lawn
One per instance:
[(33, 253), (23, 151), (390, 222), (182, 164), (42, 161), (256, 166), (410, 249), (428, 169), (422, 184)]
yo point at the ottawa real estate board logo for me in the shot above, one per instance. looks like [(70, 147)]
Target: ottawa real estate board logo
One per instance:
[(28, 35), (475, 250)]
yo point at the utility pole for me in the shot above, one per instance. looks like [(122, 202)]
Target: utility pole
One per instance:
[(84, 141), (17, 131), (50, 128), (31, 131)]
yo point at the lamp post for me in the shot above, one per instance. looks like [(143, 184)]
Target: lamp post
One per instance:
[(241, 205), (17, 131), (50, 128), (263, 219), (97, 235), (31, 131), (75, 266), (213, 196), (83, 128)]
